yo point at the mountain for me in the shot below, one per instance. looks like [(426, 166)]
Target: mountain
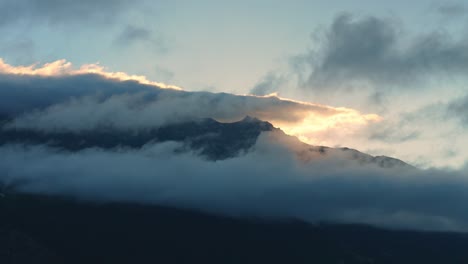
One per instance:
[(361, 158), (53, 229), (41, 229), (214, 140), (211, 139)]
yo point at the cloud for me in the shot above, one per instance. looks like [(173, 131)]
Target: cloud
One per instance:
[(131, 34), (269, 181), (271, 83), (458, 108), (57, 12), (392, 134), (374, 51), (452, 10), (62, 67), (152, 108), (57, 96)]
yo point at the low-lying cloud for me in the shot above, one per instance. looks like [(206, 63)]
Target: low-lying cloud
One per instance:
[(269, 181)]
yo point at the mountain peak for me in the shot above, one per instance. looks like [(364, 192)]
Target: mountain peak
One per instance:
[(248, 118)]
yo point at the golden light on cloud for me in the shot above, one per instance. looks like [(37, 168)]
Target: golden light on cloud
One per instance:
[(320, 124), (320, 130), (64, 68)]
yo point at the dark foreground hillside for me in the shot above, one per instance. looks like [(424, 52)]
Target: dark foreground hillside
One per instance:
[(36, 229)]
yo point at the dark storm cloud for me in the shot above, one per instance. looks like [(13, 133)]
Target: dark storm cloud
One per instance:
[(375, 50), (61, 11)]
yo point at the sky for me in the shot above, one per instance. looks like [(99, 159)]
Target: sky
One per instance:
[(398, 65)]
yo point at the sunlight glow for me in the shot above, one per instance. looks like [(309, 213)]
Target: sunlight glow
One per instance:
[(323, 127), (320, 130)]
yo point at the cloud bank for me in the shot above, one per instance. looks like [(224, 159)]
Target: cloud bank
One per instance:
[(268, 182), (58, 97)]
